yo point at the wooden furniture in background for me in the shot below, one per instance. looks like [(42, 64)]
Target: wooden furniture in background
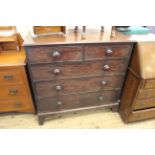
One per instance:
[(138, 98), (15, 93), (68, 74), (9, 39)]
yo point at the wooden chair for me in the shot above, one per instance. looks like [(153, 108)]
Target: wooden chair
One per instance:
[(9, 38)]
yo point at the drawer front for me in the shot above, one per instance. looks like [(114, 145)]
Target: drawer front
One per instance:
[(59, 71), (70, 86), (9, 46), (104, 51), (77, 101), (13, 91), (142, 115), (145, 94), (141, 104), (44, 54), (8, 76), (19, 105), (149, 84), (46, 29)]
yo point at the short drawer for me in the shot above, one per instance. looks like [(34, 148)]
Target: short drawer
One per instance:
[(145, 103), (45, 54), (65, 102), (12, 75), (145, 94), (106, 51), (70, 86), (13, 91), (142, 115), (78, 69), (21, 104), (149, 84)]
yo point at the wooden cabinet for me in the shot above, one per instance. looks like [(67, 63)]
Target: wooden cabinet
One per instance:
[(14, 87), (68, 75), (138, 97)]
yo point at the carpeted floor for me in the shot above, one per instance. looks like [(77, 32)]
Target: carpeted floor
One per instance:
[(94, 119)]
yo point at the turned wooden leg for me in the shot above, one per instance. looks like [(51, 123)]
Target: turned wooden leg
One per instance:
[(114, 109), (41, 120)]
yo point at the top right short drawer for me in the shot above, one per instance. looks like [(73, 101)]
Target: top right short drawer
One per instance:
[(99, 51)]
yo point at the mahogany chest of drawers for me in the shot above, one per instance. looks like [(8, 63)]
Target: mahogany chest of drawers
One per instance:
[(14, 87), (70, 76), (138, 97)]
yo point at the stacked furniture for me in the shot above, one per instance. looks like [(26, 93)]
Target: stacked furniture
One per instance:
[(71, 74), (138, 98), (14, 87)]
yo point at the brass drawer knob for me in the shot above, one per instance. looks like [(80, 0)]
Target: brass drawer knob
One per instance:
[(59, 87), (109, 52), (100, 98), (8, 77), (13, 91), (103, 83), (57, 71), (56, 54), (59, 102), (106, 67)]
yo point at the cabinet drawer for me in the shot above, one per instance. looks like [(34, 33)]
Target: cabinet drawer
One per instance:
[(47, 54), (61, 87), (149, 84), (141, 104), (8, 76), (21, 104), (77, 101), (105, 51), (145, 94), (13, 91), (142, 115), (77, 69)]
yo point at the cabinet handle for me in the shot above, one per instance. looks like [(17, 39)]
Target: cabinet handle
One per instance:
[(103, 83), (57, 71), (59, 103), (18, 104), (109, 52), (106, 67), (13, 91), (100, 98), (59, 87), (56, 54), (8, 77)]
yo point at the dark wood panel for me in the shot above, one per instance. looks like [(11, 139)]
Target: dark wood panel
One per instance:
[(104, 51), (47, 72), (60, 87), (49, 54), (77, 101)]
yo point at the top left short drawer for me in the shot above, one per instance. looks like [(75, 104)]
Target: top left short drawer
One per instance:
[(48, 54)]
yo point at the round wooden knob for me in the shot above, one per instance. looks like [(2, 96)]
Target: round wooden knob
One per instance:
[(106, 67), (56, 71), (103, 83), (58, 87), (59, 102), (100, 98), (109, 52), (56, 54)]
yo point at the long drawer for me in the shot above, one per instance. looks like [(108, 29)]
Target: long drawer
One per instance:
[(69, 86), (13, 91), (22, 104), (106, 51), (11, 75), (48, 54), (77, 101), (60, 71), (146, 94), (142, 115)]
